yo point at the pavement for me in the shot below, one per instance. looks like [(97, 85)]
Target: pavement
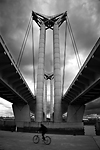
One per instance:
[(23, 141)]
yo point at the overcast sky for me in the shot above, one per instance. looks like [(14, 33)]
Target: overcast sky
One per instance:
[(84, 16)]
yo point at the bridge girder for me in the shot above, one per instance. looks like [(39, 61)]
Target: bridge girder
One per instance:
[(11, 79), (49, 20), (89, 76)]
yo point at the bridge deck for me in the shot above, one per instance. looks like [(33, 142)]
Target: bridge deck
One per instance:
[(86, 85), (13, 87)]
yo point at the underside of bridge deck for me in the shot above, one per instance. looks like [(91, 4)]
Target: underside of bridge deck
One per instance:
[(86, 85)]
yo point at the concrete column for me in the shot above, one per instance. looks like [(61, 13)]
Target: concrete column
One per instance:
[(40, 76), (21, 114), (45, 101), (75, 113), (51, 99), (57, 75)]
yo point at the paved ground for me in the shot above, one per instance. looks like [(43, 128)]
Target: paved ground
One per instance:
[(23, 141)]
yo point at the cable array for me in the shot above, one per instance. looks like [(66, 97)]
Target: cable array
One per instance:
[(64, 57), (68, 25), (24, 44), (33, 56), (30, 25), (74, 43)]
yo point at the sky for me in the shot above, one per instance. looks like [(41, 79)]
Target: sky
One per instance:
[(84, 16)]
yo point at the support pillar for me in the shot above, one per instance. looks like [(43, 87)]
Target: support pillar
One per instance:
[(75, 113), (51, 99), (57, 75), (40, 75), (74, 118), (21, 114), (45, 101)]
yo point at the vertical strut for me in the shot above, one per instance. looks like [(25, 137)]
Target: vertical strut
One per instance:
[(45, 100), (51, 99), (40, 76), (57, 75)]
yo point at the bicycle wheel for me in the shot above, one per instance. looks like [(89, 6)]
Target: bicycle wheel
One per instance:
[(47, 140), (36, 139)]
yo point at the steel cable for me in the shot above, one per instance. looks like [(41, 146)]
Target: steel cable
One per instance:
[(64, 57), (24, 43), (33, 55), (74, 44)]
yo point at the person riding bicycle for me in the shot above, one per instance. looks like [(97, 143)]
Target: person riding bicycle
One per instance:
[(43, 130)]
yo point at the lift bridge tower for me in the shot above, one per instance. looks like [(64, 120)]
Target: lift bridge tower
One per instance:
[(45, 23)]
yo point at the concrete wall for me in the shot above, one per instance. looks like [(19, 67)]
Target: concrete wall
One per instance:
[(75, 113), (21, 113)]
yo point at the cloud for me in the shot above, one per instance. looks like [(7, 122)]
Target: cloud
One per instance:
[(93, 107), (94, 104), (5, 108), (92, 111), (84, 16)]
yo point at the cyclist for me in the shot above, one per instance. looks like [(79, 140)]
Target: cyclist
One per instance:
[(43, 130)]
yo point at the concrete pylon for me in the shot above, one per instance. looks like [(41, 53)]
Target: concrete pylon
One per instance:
[(40, 75), (51, 99), (45, 101), (75, 113), (57, 75), (21, 113)]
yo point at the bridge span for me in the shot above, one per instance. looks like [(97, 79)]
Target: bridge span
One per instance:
[(86, 85), (13, 86)]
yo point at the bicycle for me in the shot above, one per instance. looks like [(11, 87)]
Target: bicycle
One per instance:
[(36, 139)]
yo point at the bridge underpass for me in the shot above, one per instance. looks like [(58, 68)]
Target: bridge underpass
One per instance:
[(83, 89)]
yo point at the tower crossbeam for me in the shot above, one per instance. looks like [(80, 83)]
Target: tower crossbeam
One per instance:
[(49, 21)]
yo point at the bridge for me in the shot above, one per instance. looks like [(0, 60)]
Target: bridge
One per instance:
[(86, 85), (84, 88), (13, 86)]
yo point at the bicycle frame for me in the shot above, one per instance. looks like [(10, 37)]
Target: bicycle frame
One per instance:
[(36, 139)]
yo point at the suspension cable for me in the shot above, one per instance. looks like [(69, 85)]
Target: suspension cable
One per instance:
[(64, 57), (74, 44), (24, 43), (33, 55)]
